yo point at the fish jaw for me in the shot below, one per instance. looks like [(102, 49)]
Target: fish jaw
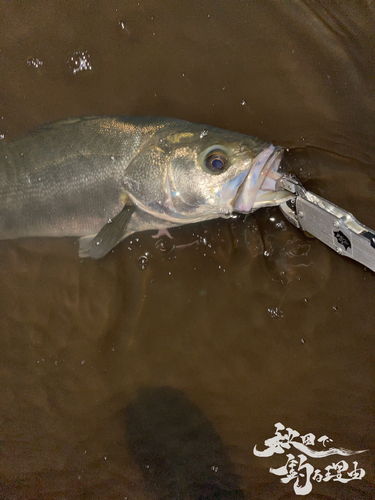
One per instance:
[(260, 179), (249, 190)]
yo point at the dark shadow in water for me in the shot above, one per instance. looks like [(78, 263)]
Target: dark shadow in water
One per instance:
[(178, 450)]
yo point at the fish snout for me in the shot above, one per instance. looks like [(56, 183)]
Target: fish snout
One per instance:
[(261, 175)]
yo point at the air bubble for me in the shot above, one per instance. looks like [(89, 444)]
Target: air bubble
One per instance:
[(124, 27), (79, 61), (34, 62), (164, 245), (243, 102), (275, 313), (160, 245), (143, 262), (203, 133), (280, 225)]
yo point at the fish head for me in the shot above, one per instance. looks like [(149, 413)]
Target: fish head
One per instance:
[(191, 173)]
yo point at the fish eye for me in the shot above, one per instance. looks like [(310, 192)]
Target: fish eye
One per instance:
[(216, 161)]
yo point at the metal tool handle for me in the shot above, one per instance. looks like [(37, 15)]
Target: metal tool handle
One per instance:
[(336, 227), (332, 225)]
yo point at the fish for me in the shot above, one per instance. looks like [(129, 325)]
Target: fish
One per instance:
[(103, 178)]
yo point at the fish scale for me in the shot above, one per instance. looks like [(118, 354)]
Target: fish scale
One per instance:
[(74, 177)]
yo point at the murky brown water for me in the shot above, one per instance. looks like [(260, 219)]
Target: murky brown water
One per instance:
[(120, 382)]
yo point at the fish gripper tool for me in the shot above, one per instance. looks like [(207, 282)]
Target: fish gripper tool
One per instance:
[(332, 225)]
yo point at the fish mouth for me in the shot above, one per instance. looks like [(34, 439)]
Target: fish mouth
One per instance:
[(258, 183)]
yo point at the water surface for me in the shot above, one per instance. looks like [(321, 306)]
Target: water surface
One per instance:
[(153, 373)]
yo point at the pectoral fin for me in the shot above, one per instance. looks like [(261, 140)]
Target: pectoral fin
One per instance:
[(108, 237)]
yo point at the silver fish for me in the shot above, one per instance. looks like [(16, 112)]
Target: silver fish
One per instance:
[(104, 178)]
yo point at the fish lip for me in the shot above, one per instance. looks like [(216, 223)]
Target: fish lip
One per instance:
[(265, 163)]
